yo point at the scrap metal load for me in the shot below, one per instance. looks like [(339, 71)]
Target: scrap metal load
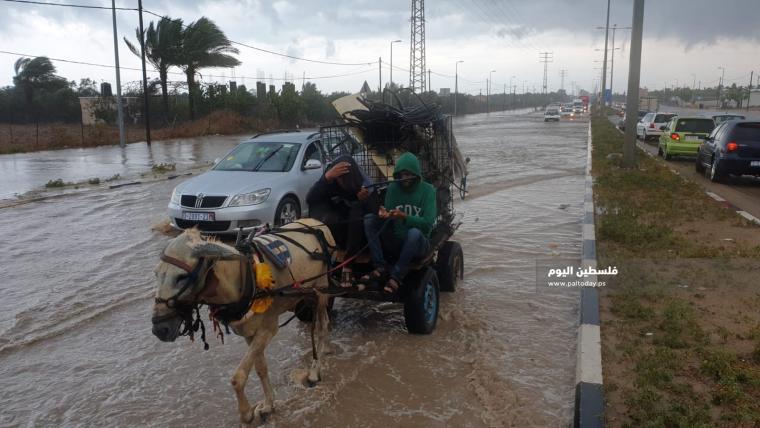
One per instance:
[(376, 134)]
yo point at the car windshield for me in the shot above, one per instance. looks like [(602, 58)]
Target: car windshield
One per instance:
[(747, 132), (703, 126), (552, 111), (662, 118), (260, 156)]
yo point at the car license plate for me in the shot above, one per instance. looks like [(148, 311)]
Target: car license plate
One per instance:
[(694, 138), (754, 163), (191, 216)]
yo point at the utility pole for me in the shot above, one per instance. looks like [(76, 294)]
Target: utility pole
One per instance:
[(119, 108), (720, 86), (391, 68), (488, 91), (456, 84), (634, 76), (604, 66), (612, 62), (146, 103), (429, 85), (417, 48), (546, 58), (504, 101), (749, 88), (380, 77), (562, 74)]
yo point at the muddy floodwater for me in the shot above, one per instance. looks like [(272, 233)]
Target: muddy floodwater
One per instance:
[(75, 301)]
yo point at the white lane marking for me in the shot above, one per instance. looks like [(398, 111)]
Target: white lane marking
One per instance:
[(589, 367), (748, 216), (715, 196)]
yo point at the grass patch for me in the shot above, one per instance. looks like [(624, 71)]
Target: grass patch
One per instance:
[(678, 358), (163, 168), (57, 183)]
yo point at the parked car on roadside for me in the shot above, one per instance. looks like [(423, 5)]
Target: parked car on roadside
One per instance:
[(263, 180), (732, 148), (551, 114), (621, 123), (683, 135), (649, 125), (720, 118)]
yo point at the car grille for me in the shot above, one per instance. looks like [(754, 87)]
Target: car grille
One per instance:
[(206, 226), (207, 202)]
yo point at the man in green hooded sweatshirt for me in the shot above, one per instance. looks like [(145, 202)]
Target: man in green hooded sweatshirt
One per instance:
[(410, 206)]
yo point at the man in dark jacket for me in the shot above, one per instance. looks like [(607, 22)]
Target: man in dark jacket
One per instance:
[(340, 199), (412, 212)]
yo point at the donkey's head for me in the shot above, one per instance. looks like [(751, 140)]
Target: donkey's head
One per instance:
[(181, 278)]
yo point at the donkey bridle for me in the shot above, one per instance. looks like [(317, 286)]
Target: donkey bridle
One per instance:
[(224, 313)]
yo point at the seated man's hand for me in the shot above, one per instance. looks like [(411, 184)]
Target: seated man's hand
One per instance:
[(362, 194), (383, 213), (397, 214), (337, 170)]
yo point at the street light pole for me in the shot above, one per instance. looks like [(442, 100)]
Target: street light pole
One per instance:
[(391, 75), (720, 85), (488, 91), (604, 66), (513, 92), (146, 109), (119, 108), (634, 79), (456, 84)]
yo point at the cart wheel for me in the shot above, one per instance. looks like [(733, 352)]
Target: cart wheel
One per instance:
[(421, 304), (450, 265), (305, 309)]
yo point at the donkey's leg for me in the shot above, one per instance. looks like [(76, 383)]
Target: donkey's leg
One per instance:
[(322, 327), (255, 353)]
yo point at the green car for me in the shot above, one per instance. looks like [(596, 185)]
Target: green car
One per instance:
[(683, 135)]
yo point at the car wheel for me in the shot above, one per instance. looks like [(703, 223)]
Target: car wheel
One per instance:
[(716, 175), (698, 166), (665, 154), (287, 211)]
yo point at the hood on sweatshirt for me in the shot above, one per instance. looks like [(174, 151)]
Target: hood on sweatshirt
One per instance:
[(408, 162)]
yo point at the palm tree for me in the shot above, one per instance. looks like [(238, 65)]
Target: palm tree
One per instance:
[(163, 45), (204, 45), (34, 74)]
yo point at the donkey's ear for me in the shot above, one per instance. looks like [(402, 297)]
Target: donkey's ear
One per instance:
[(209, 250)]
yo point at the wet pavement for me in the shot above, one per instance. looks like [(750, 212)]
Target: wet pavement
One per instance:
[(76, 285), (24, 172)]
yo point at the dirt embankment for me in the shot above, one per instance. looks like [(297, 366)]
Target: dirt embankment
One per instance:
[(28, 138), (680, 325)]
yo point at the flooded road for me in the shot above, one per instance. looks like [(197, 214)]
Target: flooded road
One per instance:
[(76, 285), (24, 172)]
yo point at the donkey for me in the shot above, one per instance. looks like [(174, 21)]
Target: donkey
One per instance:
[(195, 270)]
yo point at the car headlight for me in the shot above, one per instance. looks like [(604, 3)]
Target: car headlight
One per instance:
[(252, 198), (176, 196)]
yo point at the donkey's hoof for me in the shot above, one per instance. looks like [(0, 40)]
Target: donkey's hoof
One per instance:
[(313, 378), (262, 411)]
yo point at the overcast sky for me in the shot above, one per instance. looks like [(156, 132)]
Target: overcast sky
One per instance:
[(684, 40)]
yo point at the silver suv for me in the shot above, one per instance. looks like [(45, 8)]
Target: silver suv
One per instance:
[(649, 125), (263, 180)]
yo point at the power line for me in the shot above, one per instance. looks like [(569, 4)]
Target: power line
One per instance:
[(245, 45), (70, 61), (80, 6)]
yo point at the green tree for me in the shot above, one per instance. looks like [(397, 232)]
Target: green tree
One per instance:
[(163, 46), (36, 75), (204, 45)]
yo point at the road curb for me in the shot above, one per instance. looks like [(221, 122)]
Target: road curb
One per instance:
[(589, 394)]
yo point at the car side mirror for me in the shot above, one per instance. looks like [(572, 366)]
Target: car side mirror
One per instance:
[(312, 164)]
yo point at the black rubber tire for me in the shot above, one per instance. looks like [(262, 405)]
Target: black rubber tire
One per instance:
[(698, 166), (422, 300), (288, 202), (716, 175), (449, 265)]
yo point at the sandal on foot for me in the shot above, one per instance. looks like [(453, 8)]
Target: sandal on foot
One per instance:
[(346, 278), (391, 286), (375, 276)]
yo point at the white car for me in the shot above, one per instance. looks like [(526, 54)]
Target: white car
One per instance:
[(551, 114), (263, 180), (649, 125)]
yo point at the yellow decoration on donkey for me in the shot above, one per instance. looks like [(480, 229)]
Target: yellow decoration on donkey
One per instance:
[(265, 281)]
